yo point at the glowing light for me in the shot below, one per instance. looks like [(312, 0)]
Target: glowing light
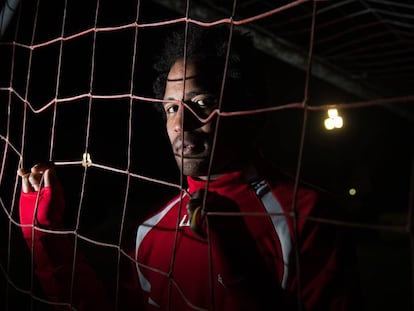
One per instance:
[(332, 113), (334, 120), (329, 124), (352, 191), (338, 122)]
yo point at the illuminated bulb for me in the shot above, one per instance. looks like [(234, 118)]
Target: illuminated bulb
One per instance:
[(329, 124), (338, 122), (334, 120), (332, 113), (352, 191)]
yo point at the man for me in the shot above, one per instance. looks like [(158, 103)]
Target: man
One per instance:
[(237, 237)]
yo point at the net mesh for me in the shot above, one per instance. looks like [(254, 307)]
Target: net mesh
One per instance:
[(75, 89)]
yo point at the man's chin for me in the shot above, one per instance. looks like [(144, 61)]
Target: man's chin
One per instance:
[(193, 166)]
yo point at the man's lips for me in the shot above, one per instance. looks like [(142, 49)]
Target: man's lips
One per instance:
[(188, 148)]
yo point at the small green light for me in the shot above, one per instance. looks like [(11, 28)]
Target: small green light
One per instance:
[(352, 191)]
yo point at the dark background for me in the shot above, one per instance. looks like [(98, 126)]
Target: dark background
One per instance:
[(373, 152)]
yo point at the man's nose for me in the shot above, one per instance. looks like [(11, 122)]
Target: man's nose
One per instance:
[(186, 119)]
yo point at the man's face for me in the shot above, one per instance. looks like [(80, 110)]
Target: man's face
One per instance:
[(191, 138)]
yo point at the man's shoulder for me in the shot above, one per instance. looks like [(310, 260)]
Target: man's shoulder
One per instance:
[(289, 189), (162, 207), (283, 180)]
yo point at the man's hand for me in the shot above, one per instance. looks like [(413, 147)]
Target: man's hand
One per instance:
[(41, 200)]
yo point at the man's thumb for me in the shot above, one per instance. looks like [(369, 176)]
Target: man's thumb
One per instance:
[(48, 177)]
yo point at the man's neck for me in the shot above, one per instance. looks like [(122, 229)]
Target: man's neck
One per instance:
[(211, 177)]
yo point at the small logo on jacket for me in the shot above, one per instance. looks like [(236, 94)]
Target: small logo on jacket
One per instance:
[(185, 221)]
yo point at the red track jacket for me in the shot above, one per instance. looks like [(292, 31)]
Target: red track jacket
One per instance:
[(248, 260)]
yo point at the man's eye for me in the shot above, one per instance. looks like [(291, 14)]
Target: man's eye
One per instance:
[(171, 108), (205, 102)]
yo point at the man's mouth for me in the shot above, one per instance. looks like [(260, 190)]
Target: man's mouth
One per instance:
[(189, 149)]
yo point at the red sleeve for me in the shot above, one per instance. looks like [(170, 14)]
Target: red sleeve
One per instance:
[(130, 294), (53, 254)]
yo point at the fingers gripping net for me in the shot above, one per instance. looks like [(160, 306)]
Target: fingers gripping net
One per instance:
[(75, 90)]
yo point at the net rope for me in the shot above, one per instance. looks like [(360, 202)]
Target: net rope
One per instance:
[(10, 147)]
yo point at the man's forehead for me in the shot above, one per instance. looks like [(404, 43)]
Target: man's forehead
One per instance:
[(172, 79), (188, 70)]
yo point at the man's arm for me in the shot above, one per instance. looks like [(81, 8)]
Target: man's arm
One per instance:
[(42, 206), (329, 278)]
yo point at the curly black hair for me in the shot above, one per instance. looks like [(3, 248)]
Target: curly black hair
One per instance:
[(243, 85)]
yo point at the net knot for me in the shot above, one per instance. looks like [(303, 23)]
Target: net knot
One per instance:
[(86, 160)]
